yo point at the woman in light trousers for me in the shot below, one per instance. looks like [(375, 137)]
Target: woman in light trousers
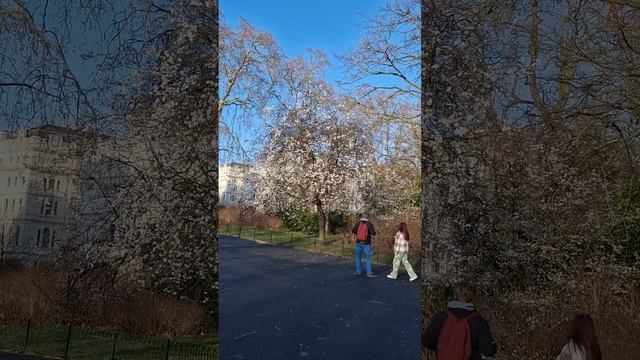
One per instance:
[(401, 250)]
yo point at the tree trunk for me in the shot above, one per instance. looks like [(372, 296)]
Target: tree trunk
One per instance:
[(322, 221), (322, 233), (432, 232)]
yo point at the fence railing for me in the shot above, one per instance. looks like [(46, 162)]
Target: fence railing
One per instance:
[(334, 244), (74, 343)]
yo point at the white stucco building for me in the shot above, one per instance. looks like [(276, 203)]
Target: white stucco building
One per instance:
[(233, 183), (39, 186)]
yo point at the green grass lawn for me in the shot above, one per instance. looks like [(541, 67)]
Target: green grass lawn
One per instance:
[(335, 244), (90, 345)]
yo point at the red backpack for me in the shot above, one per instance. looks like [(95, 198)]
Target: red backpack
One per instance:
[(363, 231), (454, 341)]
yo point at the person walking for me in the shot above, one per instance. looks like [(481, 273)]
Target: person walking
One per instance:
[(582, 342), (459, 332), (401, 253), (363, 231)]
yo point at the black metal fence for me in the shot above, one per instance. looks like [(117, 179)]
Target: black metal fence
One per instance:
[(75, 343)]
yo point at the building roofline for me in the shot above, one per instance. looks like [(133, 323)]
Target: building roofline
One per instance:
[(236, 164)]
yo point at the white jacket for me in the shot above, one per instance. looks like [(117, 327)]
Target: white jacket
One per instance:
[(572, 351)]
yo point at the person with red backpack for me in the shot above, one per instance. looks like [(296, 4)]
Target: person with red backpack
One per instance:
[(459, 332), (363, 231)]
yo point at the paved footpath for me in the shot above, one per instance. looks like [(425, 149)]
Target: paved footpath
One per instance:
[(281, 303)]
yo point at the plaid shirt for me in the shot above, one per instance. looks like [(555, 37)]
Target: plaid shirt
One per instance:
[(400, 244)]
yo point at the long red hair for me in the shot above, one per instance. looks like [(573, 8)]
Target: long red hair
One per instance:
[(583, 333), (404, 230)]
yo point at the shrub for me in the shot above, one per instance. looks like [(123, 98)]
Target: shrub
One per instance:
[(247, 217), (339, 222), (301, 220), (308, 221), (416, 193), (228, 215), (623, 228), (39, 294), (387, 226)]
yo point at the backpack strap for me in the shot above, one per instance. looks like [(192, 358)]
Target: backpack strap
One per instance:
[(473, 314)]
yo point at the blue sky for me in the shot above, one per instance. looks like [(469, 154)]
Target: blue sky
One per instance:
[(297, 25)]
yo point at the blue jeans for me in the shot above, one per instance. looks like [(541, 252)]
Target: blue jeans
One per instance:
[(360, 248)]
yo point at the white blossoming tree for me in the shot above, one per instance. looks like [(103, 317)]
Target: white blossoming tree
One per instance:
[(169, 158), (527, 144), (150, 216), (315, 145), (144, 124)]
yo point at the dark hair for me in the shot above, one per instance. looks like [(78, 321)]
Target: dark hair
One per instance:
[(583, 333), (464, 291), (404, 230)]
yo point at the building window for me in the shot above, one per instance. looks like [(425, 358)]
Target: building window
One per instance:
[(44, 183), (24, 181), (9, 181), (55, 208), (53, 238), (15, 181), (58, 185), (17, 234), (38, 238), (42, 207), (48, 207), (13, 205), (46, 234), (52, 184), (232, 198), (20, 209), (6, 204)]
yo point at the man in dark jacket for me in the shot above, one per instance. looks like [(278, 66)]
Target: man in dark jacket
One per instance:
[(363, 231), (482, 343)]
